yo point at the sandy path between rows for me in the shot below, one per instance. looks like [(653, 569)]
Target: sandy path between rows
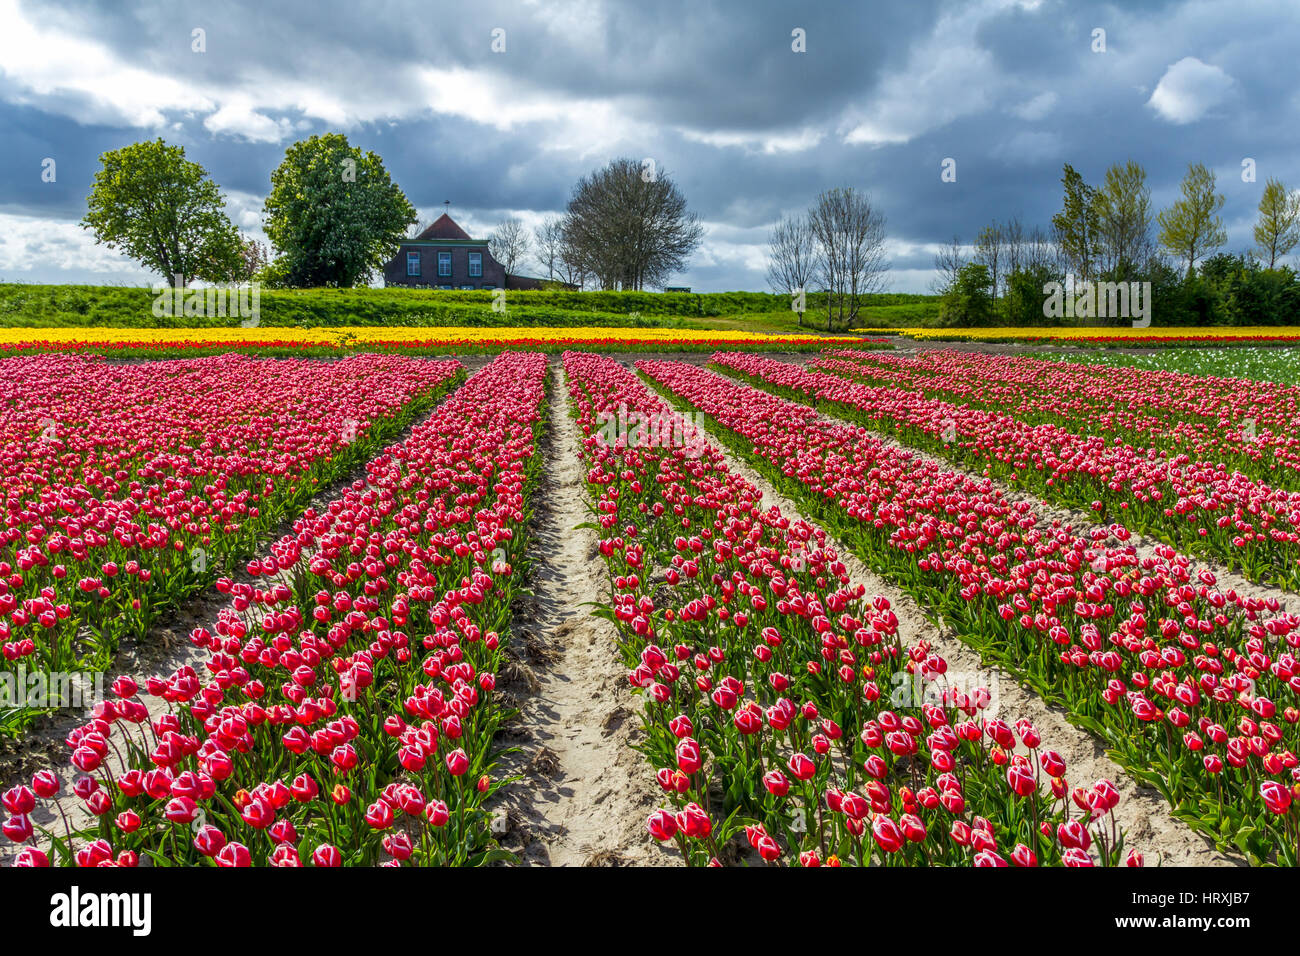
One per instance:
[(585, 793)]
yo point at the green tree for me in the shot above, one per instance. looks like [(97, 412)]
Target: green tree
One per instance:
[(1124, 221), (968, 303), (1191, 227), (1278, 229), (1077, 225), (1025, 295), (151, 203), (334, 214)]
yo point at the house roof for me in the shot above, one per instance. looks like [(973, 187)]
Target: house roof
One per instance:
[(444, 227)]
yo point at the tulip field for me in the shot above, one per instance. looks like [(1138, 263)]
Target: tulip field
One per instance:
[(352, 542), (127, 488)]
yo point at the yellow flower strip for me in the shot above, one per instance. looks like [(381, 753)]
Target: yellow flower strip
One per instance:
[(392, 336), (1095, 333)]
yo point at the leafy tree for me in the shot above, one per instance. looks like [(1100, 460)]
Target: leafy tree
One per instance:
[(151, 203), (1219, 268), (968, 303), (1250, 293), (1278, 229), (1179, 299), (1191, 227), (1077, 225), (1124, 221), (1025, 296), (334, 214), (1256, 296)]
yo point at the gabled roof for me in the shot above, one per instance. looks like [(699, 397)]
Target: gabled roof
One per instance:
[(444, 227)]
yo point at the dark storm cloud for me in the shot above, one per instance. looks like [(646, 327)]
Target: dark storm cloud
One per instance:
[(710, 90)]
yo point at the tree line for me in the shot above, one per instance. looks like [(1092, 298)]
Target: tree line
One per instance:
[(334, 217), (1107, 233)]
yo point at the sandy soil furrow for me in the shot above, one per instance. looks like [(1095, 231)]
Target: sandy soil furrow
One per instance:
[(585, 793)]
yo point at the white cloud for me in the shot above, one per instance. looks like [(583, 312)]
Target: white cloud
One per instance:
[(588, 126), (1036, 108), (1189, 89), (87, 81), (47, 64), (739, 248), (947, 76), (237, 117), (245, 211), (797, 141), (43, 248)]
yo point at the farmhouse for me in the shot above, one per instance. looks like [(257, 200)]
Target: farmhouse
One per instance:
[(445, 257)]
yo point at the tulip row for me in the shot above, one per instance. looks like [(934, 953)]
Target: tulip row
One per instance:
[(346, 711), (1112, 337), (1193, 688), (779, 700), (128, 487), (1196, 505), (424, 340), (1255, 429)]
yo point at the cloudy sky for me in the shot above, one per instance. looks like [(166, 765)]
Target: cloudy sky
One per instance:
[(713, 91)]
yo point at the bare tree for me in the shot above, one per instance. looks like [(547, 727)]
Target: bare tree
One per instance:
[(791, 256), (947, 263), (990, 252), (570, 265), (509, 243), (628, 227), (549, 237), (1039, 251), (1013, 240), (851, 261)]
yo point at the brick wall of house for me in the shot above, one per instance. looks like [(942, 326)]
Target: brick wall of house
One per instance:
[(494, 274)]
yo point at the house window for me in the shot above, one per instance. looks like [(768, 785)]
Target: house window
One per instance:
[(445, 288), (412, 263), (470, 286), (444, 263), (476, 264)]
